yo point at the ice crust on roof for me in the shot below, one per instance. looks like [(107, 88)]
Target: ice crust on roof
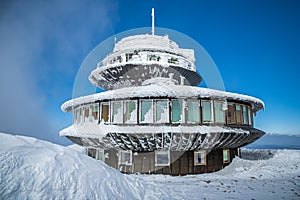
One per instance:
[(160, 89), (94, 130), (152, 42)]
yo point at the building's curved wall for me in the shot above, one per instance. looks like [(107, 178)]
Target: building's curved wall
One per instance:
[(165, 111), (165, 162)]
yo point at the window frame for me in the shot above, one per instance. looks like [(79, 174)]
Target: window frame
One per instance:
[(195, 157), (112, 112), (215, 112), (155, 121), (106, 103), (98, 151), (228, 155), (187, 111), (182, 102), (156, 158), (211, 111), (120, 157), (151, 111), (125, 103)]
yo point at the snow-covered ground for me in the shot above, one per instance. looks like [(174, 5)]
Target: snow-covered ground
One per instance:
[(35, 169)]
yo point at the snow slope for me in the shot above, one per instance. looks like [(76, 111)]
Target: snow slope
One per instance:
[(35, 169)]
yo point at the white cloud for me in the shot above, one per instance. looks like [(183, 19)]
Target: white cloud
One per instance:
[(42, 45)]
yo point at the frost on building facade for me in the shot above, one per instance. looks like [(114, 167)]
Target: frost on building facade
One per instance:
[(153, 118)]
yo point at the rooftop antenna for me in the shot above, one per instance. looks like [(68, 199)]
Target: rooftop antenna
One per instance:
[(152, 14)]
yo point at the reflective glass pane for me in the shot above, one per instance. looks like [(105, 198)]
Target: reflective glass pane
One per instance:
[(131, 111), (219, 113), (162, 115), (162, 157), (206, 111), (146, 111), (193, 111), (177, 111), (245, 115), (117, 115)]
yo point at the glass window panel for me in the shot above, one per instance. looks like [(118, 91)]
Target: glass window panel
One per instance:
[(245, 115), (86, 112), (117, 115), (146, 110), (193, 111), (177, 111), (95, 109), (161, 114), (231, 114), (200, 157), (162, 158), (206, 111), (105, 112), (250, 116), (219, 113), (125, 158), (238, 111), (226, 156), (100, 154), (130, 112)]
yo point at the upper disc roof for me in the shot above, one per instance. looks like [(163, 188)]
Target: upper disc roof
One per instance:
[(141, 57)]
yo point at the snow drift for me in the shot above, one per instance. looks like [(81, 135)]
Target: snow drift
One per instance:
[(35, 169)]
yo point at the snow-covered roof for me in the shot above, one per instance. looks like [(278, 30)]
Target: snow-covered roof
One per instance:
[(146, 41), (161, 89), (94, 130)]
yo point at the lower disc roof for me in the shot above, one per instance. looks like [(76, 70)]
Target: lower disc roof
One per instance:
[(160, 88)]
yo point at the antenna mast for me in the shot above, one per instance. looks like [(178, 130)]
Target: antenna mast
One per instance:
[(152, 14)]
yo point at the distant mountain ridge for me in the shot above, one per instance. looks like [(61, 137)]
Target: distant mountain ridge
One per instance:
[(276, 141)]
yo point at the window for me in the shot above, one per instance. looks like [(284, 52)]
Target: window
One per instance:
[(130, 112), (177, 111), (100, 155), (239, 117), (193, 111), (146, 111), (231, 114), (91, 152), (226, 156), (245, 115), (219, 113), (162, 158), (200, 157), (117, 114), (250, 117), (207, 111), (161, 111), (86, 113), (105, 111), (81, 117), (125, 158), (95, 110), (74, 116)]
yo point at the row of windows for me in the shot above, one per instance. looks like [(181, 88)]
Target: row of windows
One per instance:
[(162, 158), (174, 111), (149, 56)]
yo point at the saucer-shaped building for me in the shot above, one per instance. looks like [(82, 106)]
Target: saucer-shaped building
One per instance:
[(153, 118)]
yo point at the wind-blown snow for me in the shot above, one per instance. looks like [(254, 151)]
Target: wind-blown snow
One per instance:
[(34, 169)]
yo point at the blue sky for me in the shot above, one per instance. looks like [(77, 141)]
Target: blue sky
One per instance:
[(255, 45)]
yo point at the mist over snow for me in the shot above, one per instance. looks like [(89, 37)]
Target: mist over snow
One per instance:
[(42, 46), (35, 169)]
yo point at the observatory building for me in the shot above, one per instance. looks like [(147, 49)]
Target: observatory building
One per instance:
[(153, 118)]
